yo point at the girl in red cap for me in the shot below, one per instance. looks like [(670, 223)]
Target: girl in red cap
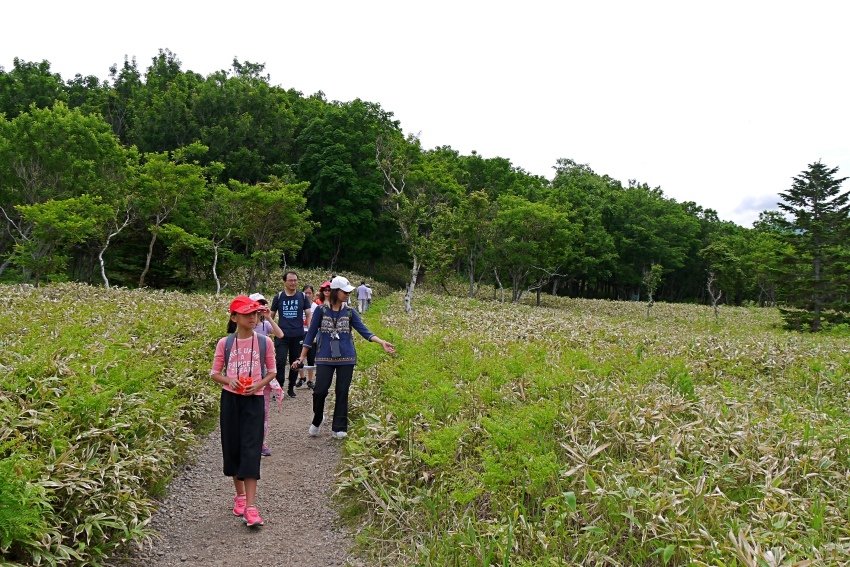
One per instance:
[(244, 364)]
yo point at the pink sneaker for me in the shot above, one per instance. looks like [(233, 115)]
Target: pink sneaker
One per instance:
[(239, 505), (252, 517)]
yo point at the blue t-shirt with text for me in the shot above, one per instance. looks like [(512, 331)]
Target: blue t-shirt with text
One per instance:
[(290, 310)]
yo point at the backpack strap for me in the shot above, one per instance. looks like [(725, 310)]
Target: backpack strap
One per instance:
[(263, 341), (228, 346)]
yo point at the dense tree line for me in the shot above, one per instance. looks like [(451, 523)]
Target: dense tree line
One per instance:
[(164, 177)]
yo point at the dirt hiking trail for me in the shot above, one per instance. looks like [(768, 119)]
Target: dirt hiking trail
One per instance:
[(195, 523)]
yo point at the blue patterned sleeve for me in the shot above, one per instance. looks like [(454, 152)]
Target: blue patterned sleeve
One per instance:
[(314, 328), (359, 326)]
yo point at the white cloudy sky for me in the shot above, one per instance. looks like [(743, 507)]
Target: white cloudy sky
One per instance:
[(716, 102)]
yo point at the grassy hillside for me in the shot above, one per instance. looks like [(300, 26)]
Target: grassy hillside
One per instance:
[(583, 433), (102, 393), (575, 433)]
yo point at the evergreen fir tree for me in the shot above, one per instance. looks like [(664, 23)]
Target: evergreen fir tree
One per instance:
[(819, 267)]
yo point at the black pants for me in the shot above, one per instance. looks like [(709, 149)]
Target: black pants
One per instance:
[(311, 355), (324, 376), (287, 347), (241, 421)]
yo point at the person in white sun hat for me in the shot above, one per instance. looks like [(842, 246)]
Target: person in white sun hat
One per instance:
[(331, 328)]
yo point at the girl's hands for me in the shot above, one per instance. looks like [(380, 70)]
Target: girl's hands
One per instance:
[(388, 347), (253, 389), (297, 364)]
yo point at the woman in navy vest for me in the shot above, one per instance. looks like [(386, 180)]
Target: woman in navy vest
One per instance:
[(331, 328)]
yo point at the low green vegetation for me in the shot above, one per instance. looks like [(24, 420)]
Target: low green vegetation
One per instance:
[(103, 392), (585, 433), (579, 432)]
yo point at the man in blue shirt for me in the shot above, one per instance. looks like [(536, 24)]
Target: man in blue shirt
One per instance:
[(291, 306)]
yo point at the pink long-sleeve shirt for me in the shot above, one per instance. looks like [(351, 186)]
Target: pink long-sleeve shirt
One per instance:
[(244, 359)]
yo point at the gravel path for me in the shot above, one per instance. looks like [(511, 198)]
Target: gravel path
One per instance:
[(196, 525)]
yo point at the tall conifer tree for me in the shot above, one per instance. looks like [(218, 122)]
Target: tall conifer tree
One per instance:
[(819, 267)]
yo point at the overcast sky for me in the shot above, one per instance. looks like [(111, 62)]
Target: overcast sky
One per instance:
[(720, 103)]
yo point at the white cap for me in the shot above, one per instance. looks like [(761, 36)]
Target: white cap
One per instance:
[(342, 283), (257, 297)]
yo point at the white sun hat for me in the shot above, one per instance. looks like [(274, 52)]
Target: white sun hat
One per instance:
[(342, 283)]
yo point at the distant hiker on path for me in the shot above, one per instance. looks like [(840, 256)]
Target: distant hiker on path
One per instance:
[(331, 328), (244, 365), (364, 295), (290, 305)]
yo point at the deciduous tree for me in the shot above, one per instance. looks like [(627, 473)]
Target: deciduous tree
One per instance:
[(164, 182), (532, 241), (273, 221), (55, 154), (55, 226)]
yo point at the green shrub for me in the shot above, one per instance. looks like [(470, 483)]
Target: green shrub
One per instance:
[(103, 393), (583, 434)]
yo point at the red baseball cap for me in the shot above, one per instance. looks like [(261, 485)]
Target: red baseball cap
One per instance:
[(324, 285), (244, 305)]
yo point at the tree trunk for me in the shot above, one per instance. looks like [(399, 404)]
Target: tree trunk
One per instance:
[(817, 296), (148, 260), (252, 277), (215, 269), (109, 238), (336, 254), (516, 283), (408, 294), (501, 287), (103, 264), (471, 266)]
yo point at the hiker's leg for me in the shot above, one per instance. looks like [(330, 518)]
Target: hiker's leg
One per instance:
[(250, 491), (280, 352), (293, 345), (230, 425), (251, 439), (324, 375), (343, 383)]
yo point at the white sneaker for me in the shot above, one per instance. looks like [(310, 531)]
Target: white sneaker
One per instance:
[(314, 431), (339, 434)]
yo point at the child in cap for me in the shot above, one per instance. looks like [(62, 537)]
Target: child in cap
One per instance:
[(244, 364), (266, 326)]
